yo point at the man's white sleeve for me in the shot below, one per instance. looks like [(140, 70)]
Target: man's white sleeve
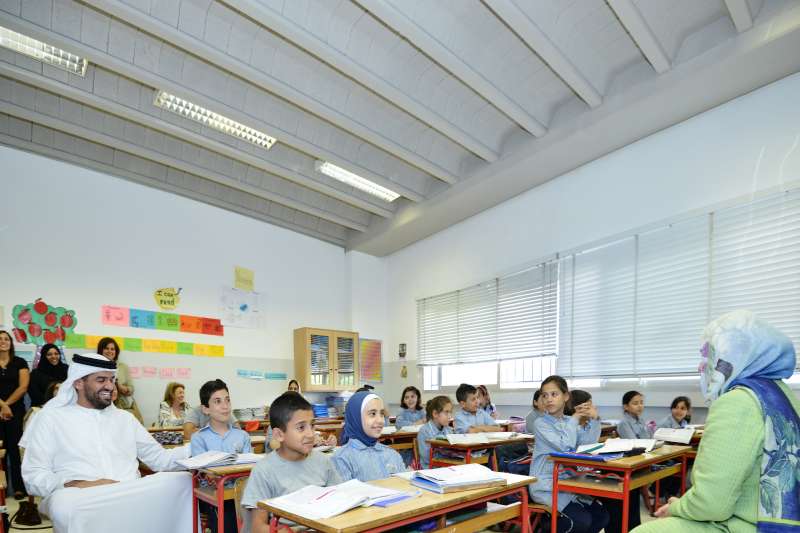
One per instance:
[(155, 456), (37, 464)]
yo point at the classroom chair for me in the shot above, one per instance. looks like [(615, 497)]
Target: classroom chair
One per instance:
[(537, 511)]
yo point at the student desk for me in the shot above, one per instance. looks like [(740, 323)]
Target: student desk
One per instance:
[(216, 494), (615, 479), (467, 449), (426, 505), (401, 440), (331, 429), (695, 443)]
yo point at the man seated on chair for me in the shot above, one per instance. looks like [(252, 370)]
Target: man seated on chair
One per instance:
[(82, 457)]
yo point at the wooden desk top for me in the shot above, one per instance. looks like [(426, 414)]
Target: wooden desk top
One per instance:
[(165, 429), (665, 452), (227, 470), (400, 435), (364, 518), (443, 443)]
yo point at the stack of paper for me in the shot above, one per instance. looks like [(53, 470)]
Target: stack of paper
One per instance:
[(388, 430), (324, 502), (457, 478), (617, 446), (410, 429), (210, 459), (683, 436)]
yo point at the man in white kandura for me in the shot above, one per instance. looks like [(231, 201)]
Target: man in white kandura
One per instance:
[(81, 457)]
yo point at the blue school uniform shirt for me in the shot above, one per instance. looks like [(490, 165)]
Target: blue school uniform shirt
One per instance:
[(669, 422), (356, 460), (631, 427), (465, 420), (530, 418), (407, 417), (233, 441), (556, 435), (429, 431)]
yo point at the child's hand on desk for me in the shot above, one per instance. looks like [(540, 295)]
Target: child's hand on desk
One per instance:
[(83, 484), (663, 511)]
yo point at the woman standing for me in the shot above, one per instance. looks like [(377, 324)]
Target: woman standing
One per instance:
[(109, 348), (172, 412), (49, 370), (745, 475), (14, 379)]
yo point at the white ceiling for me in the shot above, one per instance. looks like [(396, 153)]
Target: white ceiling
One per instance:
[(457, 105)]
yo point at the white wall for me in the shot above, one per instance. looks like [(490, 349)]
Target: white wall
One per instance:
[(740, 148), (82, 239)]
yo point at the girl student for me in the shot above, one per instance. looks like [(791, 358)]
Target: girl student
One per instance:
[(439, 411), (411, 411), (681, 414), (557, 432), (361, 456)]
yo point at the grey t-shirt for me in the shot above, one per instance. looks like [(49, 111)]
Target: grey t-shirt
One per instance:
[(274, 476), (200, 420)]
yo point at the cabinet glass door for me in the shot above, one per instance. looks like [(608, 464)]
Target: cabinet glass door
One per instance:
[(320, 360), (345, 362)]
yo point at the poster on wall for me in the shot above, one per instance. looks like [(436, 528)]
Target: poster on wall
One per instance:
[(167, 298), (244, 279), (240, 309), (41, 323), (370, 354)]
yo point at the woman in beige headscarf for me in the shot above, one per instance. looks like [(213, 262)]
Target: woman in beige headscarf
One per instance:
[(109, 348)]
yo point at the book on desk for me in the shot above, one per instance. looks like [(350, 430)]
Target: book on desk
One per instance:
[(456, 478), (211, 459)]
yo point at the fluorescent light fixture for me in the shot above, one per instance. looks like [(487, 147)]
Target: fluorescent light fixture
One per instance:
[(42, 52), (200, 114), (345, 176)]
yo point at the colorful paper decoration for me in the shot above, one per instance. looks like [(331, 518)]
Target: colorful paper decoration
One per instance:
[(128, 344), (244, 279), (140, 318), (370, 356), (40, 323), (167, 298)]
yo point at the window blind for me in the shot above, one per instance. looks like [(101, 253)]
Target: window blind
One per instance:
[(509, 317)]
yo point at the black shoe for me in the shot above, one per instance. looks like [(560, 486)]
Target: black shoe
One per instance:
[(19, 495), (28, 515)]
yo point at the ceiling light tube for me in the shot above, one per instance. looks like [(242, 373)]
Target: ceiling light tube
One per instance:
[(42, 52), (204, 116), (362, 184)]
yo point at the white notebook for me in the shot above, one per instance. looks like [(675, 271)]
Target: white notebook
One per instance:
[(388, 430), (410, 429), (467, 438), (211, 458), (682, 436), (618, 445)]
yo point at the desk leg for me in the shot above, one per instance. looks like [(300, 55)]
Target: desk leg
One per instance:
[(221, 503), (626, 500), (195, 506), (273, 524), (684, 468), (430, 457), (554, 507), (658, 495), (468, 457), (525, 514)]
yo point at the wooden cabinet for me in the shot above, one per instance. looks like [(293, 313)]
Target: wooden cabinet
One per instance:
[(326, 360)]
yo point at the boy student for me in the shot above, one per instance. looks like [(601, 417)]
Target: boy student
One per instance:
[(293, 465), (470, 419), (219, 436)]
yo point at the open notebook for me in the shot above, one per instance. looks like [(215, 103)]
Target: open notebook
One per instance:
[(618, 446), (324, 502), (211, 458)]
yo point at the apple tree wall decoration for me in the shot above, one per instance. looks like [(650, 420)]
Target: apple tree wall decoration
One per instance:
[(40, 323)]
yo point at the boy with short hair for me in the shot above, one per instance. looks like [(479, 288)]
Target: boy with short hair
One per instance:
[(294, 465), (219, 435), (470, 419)]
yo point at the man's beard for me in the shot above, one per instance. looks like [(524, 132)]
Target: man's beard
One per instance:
[(98, 402)]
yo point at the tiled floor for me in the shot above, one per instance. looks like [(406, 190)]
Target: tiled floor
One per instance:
[(13, 505)]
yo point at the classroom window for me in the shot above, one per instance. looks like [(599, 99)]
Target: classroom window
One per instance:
[(637, 306), (526, 373), (513, 374), (509, 317)]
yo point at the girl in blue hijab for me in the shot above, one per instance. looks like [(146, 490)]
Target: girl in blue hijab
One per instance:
[(361, 456)]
